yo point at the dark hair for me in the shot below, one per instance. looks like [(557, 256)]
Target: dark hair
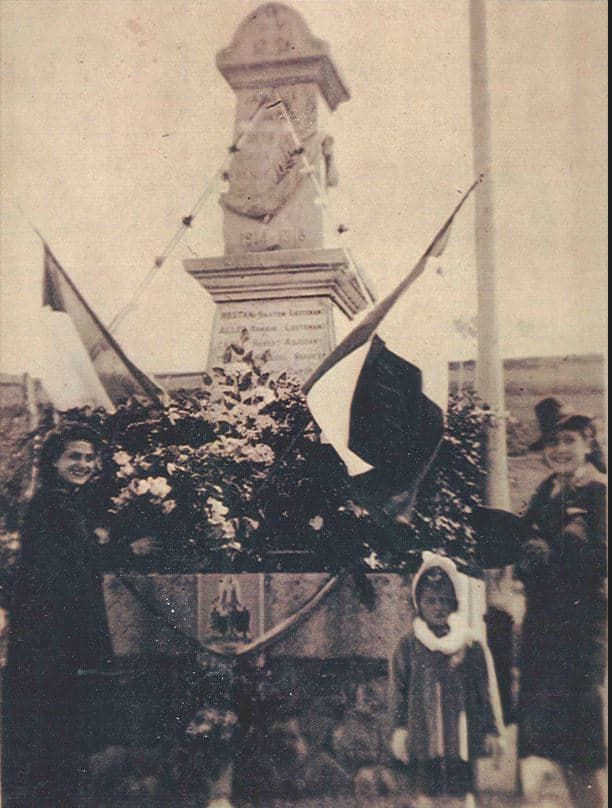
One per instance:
[(435, 578), (589, 433), (596, 456), (55, 443)]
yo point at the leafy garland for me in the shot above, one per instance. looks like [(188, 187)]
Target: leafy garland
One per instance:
[(235, 474)]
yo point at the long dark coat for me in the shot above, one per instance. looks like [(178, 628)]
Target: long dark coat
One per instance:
[(562, 656), (58, 629), (425, 684)]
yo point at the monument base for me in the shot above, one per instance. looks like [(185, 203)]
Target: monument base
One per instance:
[(278, 304)]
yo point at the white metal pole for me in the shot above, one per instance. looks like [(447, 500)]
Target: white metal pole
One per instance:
[(489, 370)]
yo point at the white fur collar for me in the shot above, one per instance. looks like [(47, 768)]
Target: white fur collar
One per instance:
[(457, 639)]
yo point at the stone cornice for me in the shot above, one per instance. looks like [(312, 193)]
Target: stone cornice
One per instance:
[(280, 274)]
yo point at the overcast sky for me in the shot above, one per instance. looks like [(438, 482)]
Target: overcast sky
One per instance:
[(114, 118)]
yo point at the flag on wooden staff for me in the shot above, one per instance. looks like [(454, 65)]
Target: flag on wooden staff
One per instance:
[(118, 375), (383, 410)]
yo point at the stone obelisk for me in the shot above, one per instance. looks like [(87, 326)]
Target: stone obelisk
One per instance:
[(276, 284)]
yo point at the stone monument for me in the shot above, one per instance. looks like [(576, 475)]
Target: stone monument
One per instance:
[(277, 282), (275, 288)]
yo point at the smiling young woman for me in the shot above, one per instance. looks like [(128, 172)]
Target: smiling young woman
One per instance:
[(58, 626), (76, 464), (563, 569)]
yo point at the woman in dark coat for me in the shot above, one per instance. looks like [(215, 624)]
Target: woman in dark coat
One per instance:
[(58, 628), (562, 660)]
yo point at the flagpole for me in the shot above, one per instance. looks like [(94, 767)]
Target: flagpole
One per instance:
[(489, 369)]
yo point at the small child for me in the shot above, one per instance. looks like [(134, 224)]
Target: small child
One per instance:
[(441, 711)]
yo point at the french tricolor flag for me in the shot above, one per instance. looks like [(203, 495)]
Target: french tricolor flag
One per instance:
[(117, 377), (383, 410)]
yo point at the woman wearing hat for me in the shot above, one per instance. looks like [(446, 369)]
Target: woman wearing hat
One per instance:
[(58, 627), (562, 659)]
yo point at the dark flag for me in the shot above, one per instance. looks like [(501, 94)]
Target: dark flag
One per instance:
[(500, 535), (118, 375), (394, 426), (384, 412)]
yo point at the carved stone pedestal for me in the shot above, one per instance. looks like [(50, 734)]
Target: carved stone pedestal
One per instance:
[(279, 302)]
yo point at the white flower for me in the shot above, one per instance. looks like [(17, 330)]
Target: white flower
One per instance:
[(216, 511), (103, 535), (356, 509), (199, 729), (139, 487), (222, 447), (316, 523), (171, 468), (373, 561), (173, 415), (260, 453), (229, 530), (265, 422), (10, 540), (158, 486), (168, 506), (124, 461)]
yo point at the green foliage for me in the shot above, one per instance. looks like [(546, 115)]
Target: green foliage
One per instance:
[(9, 556), (15, 461), (455, 485), (231, 474)]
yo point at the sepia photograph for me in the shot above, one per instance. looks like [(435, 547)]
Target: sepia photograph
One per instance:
[(303, 439)]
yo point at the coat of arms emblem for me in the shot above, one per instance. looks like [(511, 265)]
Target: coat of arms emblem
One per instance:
[(268, 167), (231, 613)]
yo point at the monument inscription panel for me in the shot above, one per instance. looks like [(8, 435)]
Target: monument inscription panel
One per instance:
[(294, 335)]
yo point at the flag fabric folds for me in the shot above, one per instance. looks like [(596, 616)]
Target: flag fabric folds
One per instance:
[(382, 410), (393, 424), (65, 369), (119, 376)]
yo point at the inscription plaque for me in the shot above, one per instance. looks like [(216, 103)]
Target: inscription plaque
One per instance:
[(297, 334)]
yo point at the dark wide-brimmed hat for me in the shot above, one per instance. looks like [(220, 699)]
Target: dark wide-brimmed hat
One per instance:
[(553, 416)]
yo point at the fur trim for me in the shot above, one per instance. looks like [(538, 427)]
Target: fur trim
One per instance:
[(460, 635), (447, 565), (458, 638)]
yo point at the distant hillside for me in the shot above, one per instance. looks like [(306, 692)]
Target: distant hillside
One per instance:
[(578, 381), (564, 374)]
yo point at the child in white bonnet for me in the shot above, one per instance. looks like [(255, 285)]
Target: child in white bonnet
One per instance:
[(441, 711)]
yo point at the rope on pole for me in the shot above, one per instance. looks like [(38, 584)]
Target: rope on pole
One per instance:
[(223, 172), (186, 223), (309, 170)]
